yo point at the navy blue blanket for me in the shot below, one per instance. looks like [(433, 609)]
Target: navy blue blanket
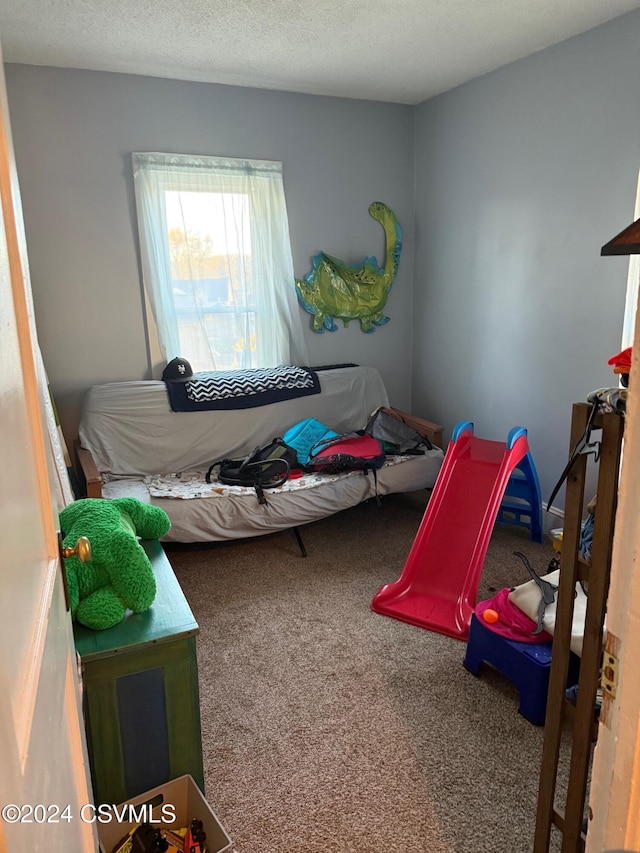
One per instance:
[(241, 389)]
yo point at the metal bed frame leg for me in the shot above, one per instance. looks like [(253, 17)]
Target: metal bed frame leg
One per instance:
[(296, 533)]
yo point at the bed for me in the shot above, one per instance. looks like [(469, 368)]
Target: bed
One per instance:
[(132, 443)]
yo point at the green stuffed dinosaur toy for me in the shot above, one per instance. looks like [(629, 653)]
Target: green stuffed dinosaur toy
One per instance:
[(118, 576)]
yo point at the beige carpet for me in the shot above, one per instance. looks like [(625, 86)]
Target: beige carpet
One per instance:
[(327, 727)]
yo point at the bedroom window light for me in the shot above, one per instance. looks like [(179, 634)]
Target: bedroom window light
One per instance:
[(633, 284), (216, 260)]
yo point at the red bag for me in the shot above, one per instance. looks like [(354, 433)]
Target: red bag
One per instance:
[(353, 451)]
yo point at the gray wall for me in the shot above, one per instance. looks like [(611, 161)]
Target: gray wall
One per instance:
[(74, 132), (521, 176)]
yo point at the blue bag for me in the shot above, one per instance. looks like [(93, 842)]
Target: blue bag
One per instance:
[(304, 435)]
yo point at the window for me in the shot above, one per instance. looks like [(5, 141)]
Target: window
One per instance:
[(216, 260), (633, 282)]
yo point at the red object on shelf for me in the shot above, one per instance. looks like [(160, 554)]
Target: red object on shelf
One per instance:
[(622, 361)]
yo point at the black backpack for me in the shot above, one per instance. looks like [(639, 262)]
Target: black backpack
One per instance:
[(264, 468)]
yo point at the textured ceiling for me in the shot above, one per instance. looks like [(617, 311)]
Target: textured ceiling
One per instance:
[(403, 51)]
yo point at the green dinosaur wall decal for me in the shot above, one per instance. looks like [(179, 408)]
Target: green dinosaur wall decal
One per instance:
[(334, 288)]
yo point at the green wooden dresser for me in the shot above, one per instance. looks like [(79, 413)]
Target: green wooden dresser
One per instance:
[(141, 700)]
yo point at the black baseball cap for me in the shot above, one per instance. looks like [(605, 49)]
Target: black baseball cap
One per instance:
[(177, 370)]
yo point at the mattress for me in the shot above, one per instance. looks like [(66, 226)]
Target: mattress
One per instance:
[(230, 514)]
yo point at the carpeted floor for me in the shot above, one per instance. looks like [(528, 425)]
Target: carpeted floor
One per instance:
[(327, 727)]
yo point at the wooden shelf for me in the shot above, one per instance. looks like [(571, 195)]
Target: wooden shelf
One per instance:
[(572, 569)]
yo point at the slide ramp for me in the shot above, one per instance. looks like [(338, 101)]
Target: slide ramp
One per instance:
[(439, 583)]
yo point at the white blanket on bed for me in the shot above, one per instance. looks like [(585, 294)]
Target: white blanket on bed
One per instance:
[(192, 484)]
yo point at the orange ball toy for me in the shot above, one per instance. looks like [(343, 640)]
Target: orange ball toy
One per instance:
[(490, 616)]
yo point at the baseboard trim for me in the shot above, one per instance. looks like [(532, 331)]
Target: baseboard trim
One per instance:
[(552, 517)]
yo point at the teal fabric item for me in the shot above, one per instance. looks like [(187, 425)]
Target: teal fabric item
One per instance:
[(303, 435)]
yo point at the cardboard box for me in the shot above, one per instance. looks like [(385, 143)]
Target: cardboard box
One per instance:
[(170, 806)]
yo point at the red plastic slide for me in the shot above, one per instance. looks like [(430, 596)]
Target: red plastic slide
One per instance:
[(439, 583)]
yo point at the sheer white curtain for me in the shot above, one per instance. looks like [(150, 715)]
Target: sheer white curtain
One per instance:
[(216, 260)]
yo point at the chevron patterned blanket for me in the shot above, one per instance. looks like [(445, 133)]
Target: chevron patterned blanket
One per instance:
[(241, 389)]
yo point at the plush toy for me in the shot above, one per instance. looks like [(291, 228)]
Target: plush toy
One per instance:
[(119, 575)]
